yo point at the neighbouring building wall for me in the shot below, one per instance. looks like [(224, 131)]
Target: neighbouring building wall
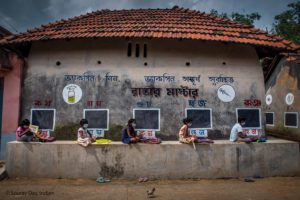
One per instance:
[(50, 61), (285, 79), (11, 99), (11, 94)]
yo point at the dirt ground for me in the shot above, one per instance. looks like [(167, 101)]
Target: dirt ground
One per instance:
[(281, 188)]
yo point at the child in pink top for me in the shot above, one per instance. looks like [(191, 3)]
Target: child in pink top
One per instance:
[(23, 132), (84, 137)]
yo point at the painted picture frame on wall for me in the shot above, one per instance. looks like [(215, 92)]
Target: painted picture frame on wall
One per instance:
[(147, 118), (44, 118), (202, 117), (252, 116), (291, 119), (98, 119), (270, 118)]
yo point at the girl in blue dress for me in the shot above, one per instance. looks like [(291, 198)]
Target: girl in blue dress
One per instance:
[(128, 133)]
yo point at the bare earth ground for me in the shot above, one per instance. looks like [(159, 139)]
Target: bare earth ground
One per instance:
[(280, 188)]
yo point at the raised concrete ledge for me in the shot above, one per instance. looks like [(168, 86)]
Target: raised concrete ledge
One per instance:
[(271, 141), (170, 160)]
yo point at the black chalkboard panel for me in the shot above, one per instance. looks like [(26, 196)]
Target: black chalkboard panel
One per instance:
[(147, 119), (201, 118), (97, 118), (269, 118), (43, 118), (291, 119), (251, 115)]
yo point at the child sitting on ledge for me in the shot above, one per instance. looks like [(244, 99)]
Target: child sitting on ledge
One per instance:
[(84, 137), (237, 134), (184, 136), (128, 134), (23, 132)]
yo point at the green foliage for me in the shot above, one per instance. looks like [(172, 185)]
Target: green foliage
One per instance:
[(216, 13), (248, 19), (115, 132), (69, 132), (66, 132), (287, 24), (245, 18)]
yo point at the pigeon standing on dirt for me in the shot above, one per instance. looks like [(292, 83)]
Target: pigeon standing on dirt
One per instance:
[(150, 193)]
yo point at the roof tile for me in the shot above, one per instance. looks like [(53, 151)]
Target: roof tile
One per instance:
[(157, 23)]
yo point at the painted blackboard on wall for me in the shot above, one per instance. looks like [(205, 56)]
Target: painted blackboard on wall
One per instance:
[(43, 118), (97, 118), (269, 118), (291, 119), (202, 117), (147, 119), (252, 116)]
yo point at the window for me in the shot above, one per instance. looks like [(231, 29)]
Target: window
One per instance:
[(141, 50), (137, 50), (129, 49), (145, 50)]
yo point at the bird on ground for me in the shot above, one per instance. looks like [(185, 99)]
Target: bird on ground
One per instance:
[(150, 193)]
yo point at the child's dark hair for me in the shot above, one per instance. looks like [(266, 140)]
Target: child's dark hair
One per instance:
[(25, 122), (130, 121), (187, 120), (241, 119), (83, 121)]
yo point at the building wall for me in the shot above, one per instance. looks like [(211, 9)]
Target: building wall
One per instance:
[(285, 79), (44, 80), (11, 94), (11, 100)]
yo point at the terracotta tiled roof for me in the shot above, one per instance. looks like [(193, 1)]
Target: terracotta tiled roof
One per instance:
[(178, 23)]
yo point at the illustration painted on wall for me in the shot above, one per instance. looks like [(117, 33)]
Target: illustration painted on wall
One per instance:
[(289, 99), (72, 93), (269, 99), (226, 93)]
